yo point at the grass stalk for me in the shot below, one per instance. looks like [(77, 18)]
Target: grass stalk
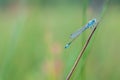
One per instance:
[(81, 53), (84, 17), (88, 40), (84, 20)]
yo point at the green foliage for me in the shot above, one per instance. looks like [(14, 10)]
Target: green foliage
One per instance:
[(32, 44)]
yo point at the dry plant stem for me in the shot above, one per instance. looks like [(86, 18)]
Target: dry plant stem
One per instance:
[(81, 53)]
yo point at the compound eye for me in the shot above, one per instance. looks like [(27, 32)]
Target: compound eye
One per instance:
[(93, 20)]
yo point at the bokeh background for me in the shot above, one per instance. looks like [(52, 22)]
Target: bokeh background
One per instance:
[(33, 34)]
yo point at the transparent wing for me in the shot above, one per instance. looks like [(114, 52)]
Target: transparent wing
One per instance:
[(78, 32)]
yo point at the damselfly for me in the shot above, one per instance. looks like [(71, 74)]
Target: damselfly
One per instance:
[(74, 35)]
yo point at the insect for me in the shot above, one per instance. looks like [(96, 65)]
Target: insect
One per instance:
[(74, 35)]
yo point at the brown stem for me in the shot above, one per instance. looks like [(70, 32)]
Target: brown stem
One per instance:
[(81, 53)]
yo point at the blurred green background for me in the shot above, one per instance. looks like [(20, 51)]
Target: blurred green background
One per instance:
[(33, 34)]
